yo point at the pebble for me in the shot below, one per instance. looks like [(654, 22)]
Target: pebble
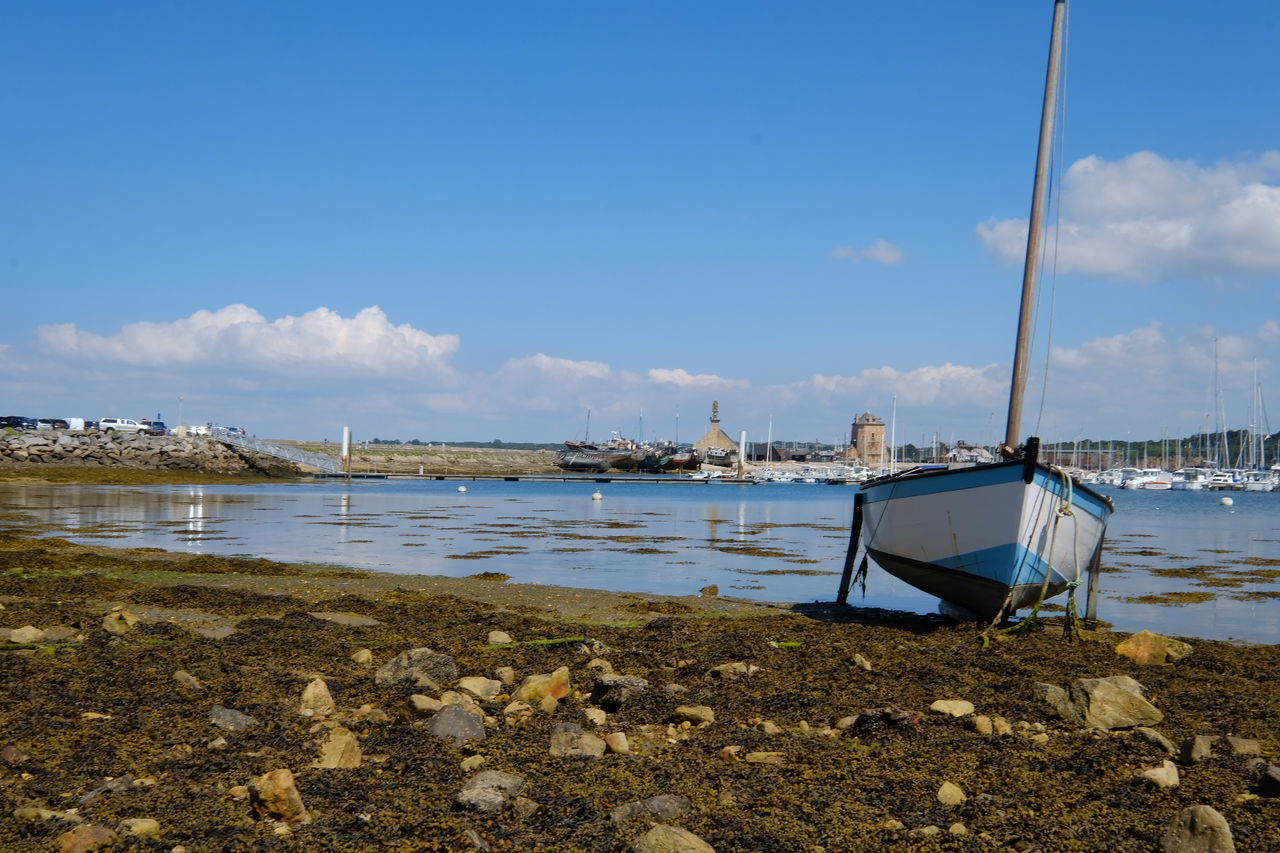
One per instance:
[(950, 794), (425, 704), (1152, 736), (595, 716), (862, 663), (498, 638), (362, 657), (472, 762), (766, 758), (617, 743), (1197, 748)]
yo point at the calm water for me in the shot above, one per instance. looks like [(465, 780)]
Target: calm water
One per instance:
[(1201, 569)]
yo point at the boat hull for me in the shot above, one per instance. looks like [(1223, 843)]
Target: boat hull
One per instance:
[(984, 538)]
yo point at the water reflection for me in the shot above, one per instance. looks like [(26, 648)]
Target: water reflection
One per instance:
[(776, 542)]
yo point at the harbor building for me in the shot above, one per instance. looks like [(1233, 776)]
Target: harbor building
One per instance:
[(867, 435)]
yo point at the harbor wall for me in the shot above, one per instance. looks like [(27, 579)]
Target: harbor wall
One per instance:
[(146, 452)]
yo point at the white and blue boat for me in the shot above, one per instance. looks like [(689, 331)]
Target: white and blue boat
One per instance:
[(991, 538)]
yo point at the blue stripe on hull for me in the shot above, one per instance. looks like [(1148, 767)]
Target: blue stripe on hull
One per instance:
[(1010, 565)]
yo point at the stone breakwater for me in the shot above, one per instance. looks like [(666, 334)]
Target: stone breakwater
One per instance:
[(146, 452)]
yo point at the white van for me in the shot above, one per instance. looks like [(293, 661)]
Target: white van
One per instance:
[(120, 425)]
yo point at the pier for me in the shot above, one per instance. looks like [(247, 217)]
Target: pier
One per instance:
[(531, 478)]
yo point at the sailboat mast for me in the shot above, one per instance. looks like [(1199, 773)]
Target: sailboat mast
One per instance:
[(1022, 350)]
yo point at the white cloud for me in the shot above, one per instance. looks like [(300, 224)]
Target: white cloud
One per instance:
[(562, 369), (685, 379), (945, 383), (881, 251), (320, 342), (1144, 218)]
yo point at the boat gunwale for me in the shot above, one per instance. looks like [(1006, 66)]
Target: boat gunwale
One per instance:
[(914, 474)]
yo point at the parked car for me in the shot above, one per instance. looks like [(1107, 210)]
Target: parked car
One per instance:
[(155, 428), (51, 423), (120, 425), (60, 423), (11, 421)]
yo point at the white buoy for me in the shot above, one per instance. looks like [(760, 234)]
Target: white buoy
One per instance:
[(1226, 502), (597, 497), (462, 488)]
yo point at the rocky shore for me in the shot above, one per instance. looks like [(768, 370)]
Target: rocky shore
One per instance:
[(91, 448), (162, 702)]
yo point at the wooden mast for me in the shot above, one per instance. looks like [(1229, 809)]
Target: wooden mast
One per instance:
[(1022, 349)]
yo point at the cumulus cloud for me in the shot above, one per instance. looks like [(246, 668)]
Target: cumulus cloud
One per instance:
[(685, 379), (881, 252), (1144, 218), (945, 383), (318, 342)]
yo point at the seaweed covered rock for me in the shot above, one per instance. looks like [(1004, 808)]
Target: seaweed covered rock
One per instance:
[(422, 666)]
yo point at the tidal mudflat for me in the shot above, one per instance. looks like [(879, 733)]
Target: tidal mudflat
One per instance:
[(159, 700)]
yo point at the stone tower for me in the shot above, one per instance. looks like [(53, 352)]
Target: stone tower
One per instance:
[(715, 437), (868, 439)]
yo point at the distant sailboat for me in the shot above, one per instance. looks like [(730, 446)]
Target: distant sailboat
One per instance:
[(997, 537)]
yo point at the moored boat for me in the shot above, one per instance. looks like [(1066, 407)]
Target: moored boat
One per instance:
[(997, 537)]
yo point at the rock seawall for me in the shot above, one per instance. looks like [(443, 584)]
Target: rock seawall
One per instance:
[(147, 452)]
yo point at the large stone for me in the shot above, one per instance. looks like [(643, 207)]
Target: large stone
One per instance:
[(1154, 737), (489, 791), (1198, 829), (274, 796), (230, 719), (456, 723), (350, 620), (734, 671), (1197, 748), (1164, 776), (317, 701), (1112, 703), (340, 750), (664, 838), (952, 707), (188, 680), (87, 838), (140, 827), (423, 667), (1057, 699), (576, 743), (696, 714), (483, 688), (611, 691), (26, 634), (950, 794), (1148, 649), (1269, 784), (662, 807), (545, 690), (119, 622)]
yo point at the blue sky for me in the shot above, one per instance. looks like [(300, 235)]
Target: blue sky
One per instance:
[(479, 221)]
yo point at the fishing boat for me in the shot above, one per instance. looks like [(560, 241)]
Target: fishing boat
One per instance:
[(991, 538)]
